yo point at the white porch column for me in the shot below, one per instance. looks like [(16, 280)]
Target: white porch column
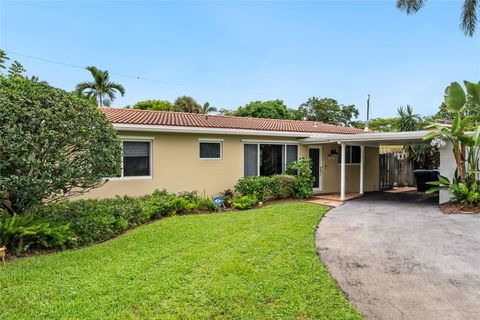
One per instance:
[(342, 171), (362, 163)]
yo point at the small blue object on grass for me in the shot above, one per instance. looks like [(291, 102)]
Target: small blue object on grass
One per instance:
[(217, 201)]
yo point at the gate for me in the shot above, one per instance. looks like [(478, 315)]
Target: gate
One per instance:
[(396, 169)]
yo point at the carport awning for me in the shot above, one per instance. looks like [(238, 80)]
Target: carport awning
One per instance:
[(370, 138)]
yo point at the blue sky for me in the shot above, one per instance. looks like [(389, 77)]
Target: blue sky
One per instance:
[(230, 53)]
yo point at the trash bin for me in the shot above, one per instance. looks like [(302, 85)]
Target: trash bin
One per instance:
[(422, 176)]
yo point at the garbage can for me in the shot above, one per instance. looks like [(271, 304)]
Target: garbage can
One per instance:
[(422, 176)]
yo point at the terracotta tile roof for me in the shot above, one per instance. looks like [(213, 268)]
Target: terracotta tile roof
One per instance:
[(181, 119)]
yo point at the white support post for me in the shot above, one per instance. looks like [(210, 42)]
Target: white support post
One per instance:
[(342, 172), (362, 163)]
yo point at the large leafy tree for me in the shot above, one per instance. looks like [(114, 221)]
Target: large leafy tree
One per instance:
[(158, 105), (328, 111), (54, 144), (101, 88), (273, 109), (186, 104), (469, 12)]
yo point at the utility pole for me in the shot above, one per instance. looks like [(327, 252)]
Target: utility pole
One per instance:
[(368, 114)]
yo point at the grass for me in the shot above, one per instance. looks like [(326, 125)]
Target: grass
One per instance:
[(256, 264)]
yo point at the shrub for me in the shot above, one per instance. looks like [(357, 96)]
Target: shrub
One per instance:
[(302, 186), (53, 144), (259, 185), (227, 196), (94, 220), (22, 233), (163, 204), (245, 202), (282, 186), (464, 193)]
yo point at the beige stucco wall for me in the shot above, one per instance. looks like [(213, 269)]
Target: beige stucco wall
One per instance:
[(331, 172), (176, 167)]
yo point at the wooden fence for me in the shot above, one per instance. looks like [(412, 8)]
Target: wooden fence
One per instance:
[(396, 169)]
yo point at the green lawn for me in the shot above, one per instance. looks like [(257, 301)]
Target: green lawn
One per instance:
[(256, 264)]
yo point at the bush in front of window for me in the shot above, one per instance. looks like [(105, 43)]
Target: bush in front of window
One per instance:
[(281, 186), (262, 186)]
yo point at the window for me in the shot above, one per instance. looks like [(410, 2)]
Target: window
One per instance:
[(210, 149), (267, 159), (352, 155), (136, 159)]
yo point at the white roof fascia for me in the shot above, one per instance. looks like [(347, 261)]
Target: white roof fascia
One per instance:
[(178, 129), (369, 138)]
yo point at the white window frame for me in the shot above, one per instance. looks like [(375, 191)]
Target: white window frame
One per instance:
[(277, 142), (348, 163), (208, 140), (137, 139)]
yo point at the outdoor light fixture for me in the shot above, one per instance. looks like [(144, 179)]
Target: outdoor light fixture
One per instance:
[(333, 154)]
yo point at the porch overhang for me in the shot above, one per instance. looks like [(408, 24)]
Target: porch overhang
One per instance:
[(373, 139), (369, 138)]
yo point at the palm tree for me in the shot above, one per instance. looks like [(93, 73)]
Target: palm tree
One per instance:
[(423, 155), (469, 12), (100, 88), (206, 108), (407, 120)]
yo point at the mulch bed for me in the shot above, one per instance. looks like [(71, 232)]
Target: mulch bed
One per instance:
[(452, 208)]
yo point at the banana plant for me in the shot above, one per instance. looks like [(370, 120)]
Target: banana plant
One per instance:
[(463, 144)]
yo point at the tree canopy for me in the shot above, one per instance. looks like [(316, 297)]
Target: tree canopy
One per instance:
[(378, 124), (158, 105), (273, 109), (54, 144), (186, 104), (327, 110)]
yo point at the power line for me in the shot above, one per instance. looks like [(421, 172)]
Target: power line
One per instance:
[(81, 67)]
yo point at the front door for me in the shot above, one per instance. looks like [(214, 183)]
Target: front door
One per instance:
[(315, 155)]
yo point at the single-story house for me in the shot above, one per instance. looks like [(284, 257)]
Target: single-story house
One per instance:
[(209, 153)]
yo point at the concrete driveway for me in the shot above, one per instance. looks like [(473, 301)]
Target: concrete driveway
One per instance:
[(397, 256)]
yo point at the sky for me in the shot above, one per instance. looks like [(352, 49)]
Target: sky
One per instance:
[(230, 53)]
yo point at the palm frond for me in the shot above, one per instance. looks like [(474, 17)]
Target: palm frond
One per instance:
[(83, 86), (116, 86), (410, 6), (469, 17)]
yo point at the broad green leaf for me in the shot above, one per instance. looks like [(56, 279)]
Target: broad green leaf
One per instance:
[(473, 91), (434, 189), (443, 179), (455, 97), (431, 135), (462, 188)]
